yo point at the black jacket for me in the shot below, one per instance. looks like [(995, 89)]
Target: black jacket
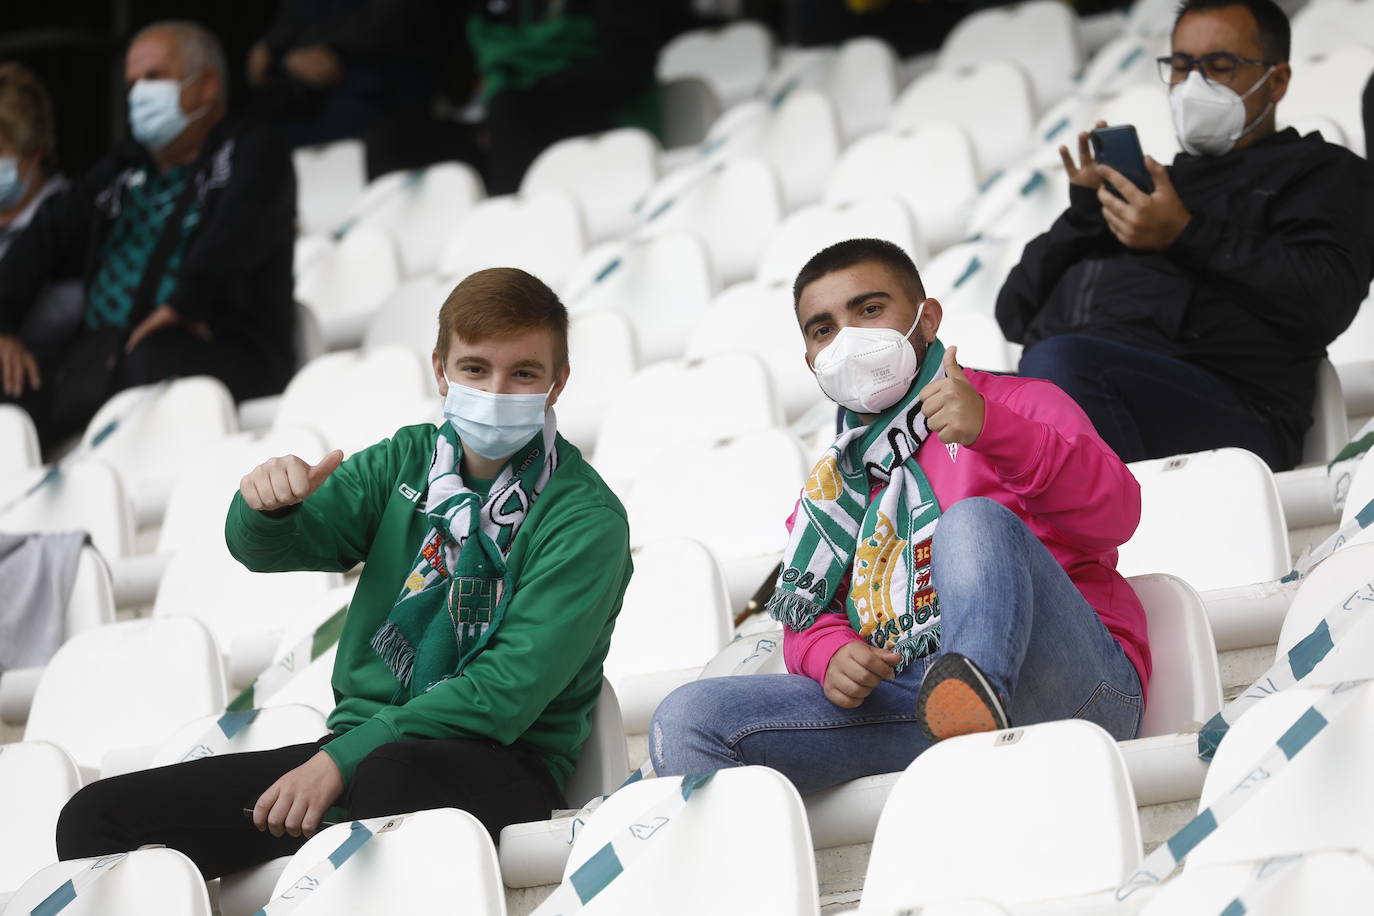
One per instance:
[(236, 272), (1272, 267)]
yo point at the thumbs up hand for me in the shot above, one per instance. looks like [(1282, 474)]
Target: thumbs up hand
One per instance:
[(954, 410), (285, 481)]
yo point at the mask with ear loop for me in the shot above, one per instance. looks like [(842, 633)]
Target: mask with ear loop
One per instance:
[(1208, 118), (868, 369)]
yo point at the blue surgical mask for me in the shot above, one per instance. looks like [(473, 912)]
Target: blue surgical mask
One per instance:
[(155, 115), (494, 425), (12, 186)]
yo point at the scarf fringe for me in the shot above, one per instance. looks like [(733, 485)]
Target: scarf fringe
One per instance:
[(792, 610), (918, 645), (395, 650)]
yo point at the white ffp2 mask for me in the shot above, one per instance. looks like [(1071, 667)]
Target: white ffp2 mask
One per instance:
[(868, 369), (494, 425), (1208, 118)]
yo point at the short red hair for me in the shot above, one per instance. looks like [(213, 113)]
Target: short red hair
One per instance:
[(498, 302)]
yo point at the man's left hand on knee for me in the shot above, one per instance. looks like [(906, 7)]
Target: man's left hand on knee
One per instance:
[(296, 803)]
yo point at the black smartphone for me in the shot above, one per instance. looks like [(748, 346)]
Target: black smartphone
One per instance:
[(1119, 147)]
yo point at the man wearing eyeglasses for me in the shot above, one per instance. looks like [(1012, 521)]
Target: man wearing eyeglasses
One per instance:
[(1195, 316)]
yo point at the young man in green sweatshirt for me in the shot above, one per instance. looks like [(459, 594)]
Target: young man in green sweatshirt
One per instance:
[(495, 560)]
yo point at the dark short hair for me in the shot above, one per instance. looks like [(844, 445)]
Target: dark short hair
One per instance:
[(501, 302), (847, 254), (1271, 22)]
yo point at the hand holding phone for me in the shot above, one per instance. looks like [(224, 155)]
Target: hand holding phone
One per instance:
[(1119, 147)]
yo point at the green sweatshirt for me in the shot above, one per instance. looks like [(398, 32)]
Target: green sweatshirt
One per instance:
[(537, 681)]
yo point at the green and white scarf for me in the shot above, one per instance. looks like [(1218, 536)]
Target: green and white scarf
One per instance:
[(456, 594), (884, 545)]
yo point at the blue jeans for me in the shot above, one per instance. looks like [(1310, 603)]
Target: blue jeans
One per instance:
[(1145, 405), (1006, 603)]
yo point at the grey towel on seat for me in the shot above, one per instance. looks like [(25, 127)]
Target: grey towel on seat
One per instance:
[(36, 576)]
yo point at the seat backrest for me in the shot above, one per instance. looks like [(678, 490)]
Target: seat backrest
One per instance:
[(542, 234), (991, 100), (817, 226), (668, 404), (1331, 25), (241, 602), (1051, 804), (968, 276), (157, 430), (1329, 430), (312, 685), (675, 579), (354, 398), (199, 501), (1126, 60), (1051, 61), (1185, 683), (660, 284), (746, 814), (1332, 85), (1151, 17), (1343, 580), (150, 882), (1318, 882), (419, 209), (348, 281), (760, 320), (410, 315), (1212, 518), (1019, 204), (128, 684), (277, 726), (733, 61), (731, 206), (1321, 800), (39, 777), (603, 352), (85, 494), (903, 163), (688, 106), (863, 84), (606, 173), (1356, 342), (395, 872), (605, 760), (91, 603), (1145, 106), (329, 179), (18, 441), (1357, 497), (980, 341)]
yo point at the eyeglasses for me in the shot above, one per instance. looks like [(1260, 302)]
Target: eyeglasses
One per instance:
[(1220, 67)]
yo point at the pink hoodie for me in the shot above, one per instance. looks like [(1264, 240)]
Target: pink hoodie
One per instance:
[(1039, 456)]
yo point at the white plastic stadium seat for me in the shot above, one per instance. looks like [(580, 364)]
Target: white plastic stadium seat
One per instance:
[(1330, 430), (410, 315), (688, 107), (660, 284), (1151, 17), (347, 282), (1211, 518), (723, 480), (818, 226), (1127, 60), (127, 684), (675, 579), (967, 277), (329, 179), (354, 398), (760, 320), (1051, 60), (541, 234), (279, 726), (606, 174), (863, 82), (992, 101), (1360, 493), (1322, 799), (1050, 804), (18, 441), (418, 867), (748, 814), (157, 432), (419, 209), (980, 341), (311, 685), (1336, 882), (150, 882), (1333, 86), (1331, 25), (38, 778), (1019, 204), (1185, 681), (669, 404), (931, 169), (1146, 107), (734, 60), (602, 354), (732, 207), (85, 494), (605, 761), (1342, 580)]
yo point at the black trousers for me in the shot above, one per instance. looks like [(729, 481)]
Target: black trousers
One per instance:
[(197, 807)]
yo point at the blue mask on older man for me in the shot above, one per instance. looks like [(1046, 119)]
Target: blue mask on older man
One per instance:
[(12, 186), (155, 115)]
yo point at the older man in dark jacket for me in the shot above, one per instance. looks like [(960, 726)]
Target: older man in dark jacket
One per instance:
[(183, 239)]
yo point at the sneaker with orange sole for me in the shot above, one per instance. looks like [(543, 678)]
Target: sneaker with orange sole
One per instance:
[(956, 699)]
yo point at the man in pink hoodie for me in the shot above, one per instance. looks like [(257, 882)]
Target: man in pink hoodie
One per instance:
[(951, 566)]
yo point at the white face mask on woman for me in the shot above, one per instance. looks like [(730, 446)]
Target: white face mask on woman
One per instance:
[(494, 425), (1209, 118), (868, 369)]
